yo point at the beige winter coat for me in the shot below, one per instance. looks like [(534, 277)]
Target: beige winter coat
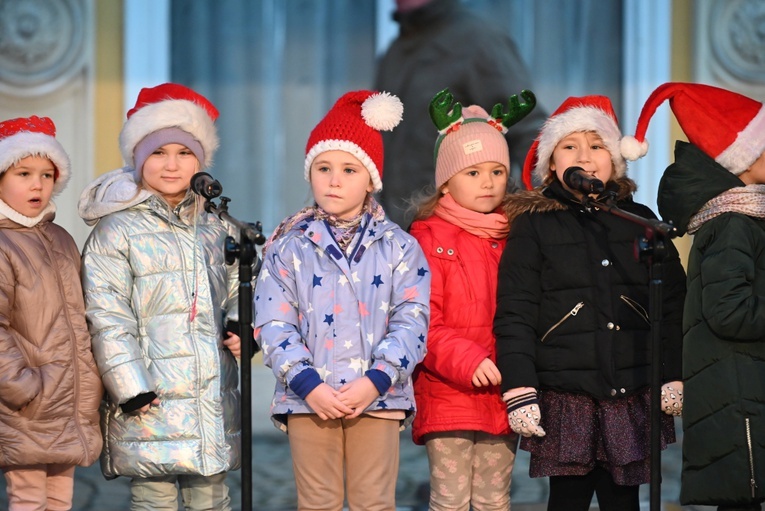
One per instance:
[(50, 389)]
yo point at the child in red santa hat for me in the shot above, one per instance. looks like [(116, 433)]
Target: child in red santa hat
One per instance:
[(49, 386), (158, 293), (573, 334), (342, 307), (715, 190)]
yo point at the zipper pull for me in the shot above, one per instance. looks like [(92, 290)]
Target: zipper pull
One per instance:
[(576, 308)]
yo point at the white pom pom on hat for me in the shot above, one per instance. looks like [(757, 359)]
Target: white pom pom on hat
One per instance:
[(353, 125)]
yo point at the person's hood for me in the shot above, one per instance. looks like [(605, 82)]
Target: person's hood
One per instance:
[(689, 183), (114, 191)]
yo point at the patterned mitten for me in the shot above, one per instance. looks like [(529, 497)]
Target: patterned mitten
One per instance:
[(672, 398), (523, 411)]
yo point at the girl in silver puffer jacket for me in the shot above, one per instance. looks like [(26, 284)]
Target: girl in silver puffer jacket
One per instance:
[(157, 292)]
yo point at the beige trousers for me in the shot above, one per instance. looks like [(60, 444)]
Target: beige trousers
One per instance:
[(362, 452)]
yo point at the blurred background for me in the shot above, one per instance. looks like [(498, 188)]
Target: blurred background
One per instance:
[(274, 67)]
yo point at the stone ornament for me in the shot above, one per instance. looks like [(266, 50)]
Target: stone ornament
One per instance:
[(42, 44)]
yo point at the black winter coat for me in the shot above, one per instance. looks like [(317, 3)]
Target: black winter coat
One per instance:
[(572, 300), (724, 345)]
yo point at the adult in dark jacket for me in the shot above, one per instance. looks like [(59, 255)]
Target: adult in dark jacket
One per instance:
[(715, 190), (443, 44), (573, 333)]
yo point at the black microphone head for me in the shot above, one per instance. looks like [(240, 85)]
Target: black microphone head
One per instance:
[(567, 174), (199, 179), (577, 179), (205, 185)]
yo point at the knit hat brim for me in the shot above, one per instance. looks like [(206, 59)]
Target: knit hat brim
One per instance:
[(348, 147), (17, 147)]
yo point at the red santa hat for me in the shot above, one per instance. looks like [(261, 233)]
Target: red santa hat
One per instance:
[(179, 114), (33, 136), (586, 113), (353, 125), (728, 127)]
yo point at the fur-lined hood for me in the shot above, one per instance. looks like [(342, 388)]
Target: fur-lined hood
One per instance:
[(556, 198)]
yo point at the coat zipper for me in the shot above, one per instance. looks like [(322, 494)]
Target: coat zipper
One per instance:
[(752, 482), (572, 312), (636, 307)]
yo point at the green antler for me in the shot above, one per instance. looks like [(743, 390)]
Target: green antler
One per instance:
[(516, 109), (441, 111)]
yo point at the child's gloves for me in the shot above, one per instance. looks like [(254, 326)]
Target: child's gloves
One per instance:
[(672, 398), (523, 411)]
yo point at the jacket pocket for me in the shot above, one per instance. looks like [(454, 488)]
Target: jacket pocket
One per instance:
[(572, 312), (635, 306), (750, 453)]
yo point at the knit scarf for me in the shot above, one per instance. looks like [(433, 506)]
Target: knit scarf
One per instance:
[(748, 200), (483, 225), (342, 229)]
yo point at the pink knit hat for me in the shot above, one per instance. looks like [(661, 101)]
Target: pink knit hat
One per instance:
[(725, 125), (470, 136), (33, 136), (353, 125)]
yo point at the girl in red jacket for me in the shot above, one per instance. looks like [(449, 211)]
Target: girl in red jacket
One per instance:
[(461, 418)]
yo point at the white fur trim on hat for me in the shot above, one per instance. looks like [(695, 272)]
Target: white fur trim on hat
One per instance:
[(348, 147), (27, 143), (748, 146), (583, 118), (171, 113)]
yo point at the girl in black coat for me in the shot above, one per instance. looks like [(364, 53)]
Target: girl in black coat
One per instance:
[(572, 328)]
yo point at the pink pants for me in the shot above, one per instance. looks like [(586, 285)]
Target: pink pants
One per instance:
[(40, 487)]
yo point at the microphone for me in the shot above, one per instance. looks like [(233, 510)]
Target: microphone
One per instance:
[(205, 185), (577, 179)]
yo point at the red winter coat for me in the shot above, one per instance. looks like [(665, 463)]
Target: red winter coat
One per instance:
[(462, 304)]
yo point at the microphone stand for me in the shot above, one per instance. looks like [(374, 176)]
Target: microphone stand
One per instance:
[(650, 249), (244, 250)]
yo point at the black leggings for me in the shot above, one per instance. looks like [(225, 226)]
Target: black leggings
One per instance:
[(574, 493)]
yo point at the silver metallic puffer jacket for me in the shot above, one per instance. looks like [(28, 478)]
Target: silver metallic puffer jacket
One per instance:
[(141, 265)]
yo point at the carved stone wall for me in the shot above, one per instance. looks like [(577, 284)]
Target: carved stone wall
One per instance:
[(730, 44), (46, 68)]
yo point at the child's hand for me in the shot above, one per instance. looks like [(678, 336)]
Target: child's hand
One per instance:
[(145, 408), (234, 344), (486, 374), (358, 394), (672, 398), (324, 401)]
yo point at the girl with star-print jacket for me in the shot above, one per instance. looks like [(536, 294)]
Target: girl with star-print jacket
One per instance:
[(342, 308), (343, 315)]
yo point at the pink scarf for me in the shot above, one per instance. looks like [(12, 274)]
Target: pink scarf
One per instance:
[(483, 225)]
